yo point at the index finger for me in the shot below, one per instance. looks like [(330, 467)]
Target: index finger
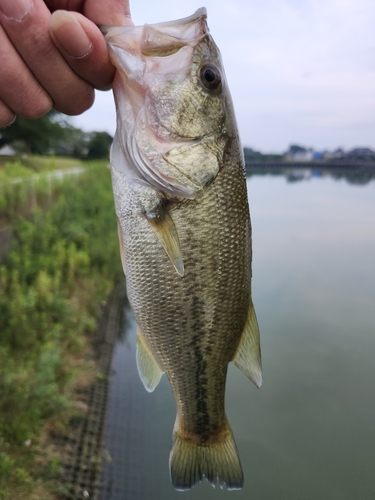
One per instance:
[(109, 12), (67, 28), (26, 23)]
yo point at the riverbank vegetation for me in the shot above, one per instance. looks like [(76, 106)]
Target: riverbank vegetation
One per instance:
[(252, 156), (28, 182), (62, 262)]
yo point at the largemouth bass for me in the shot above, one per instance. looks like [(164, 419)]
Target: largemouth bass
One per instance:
[(185, 235)]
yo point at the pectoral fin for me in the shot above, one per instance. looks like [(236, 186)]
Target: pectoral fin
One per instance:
[(247, 357), (165, 229), (148, 369)]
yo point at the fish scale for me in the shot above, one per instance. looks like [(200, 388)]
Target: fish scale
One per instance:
[(186, 248)]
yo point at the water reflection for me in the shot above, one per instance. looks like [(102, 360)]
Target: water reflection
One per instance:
[(309, 433), (353, 173)]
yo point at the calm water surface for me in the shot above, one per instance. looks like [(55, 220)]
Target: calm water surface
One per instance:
[(309, 433)]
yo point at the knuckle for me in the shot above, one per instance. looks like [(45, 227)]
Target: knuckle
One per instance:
[(40, 45), (35, 105)]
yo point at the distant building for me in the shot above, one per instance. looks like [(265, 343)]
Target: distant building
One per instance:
[(339, 153), (365, 154), (7, 151), (299, 153)]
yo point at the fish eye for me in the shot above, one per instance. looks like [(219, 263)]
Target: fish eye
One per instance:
[(210, 76)]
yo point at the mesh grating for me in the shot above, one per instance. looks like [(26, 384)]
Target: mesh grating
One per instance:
[(81, 448)]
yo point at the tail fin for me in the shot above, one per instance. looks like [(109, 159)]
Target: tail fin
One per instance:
[(218, 462)]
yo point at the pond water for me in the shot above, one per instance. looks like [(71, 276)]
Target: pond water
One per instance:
[(309, 432)]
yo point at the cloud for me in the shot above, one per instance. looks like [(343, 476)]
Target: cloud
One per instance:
[(295, 68)]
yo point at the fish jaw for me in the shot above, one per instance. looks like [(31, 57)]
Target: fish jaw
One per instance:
[(162, 108)]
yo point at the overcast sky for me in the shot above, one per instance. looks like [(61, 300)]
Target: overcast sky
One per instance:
[(300, 71)]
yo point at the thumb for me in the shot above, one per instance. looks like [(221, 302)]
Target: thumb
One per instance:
[(82, 45)]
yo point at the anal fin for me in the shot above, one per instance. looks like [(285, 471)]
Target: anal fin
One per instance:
[(247, 357), (165, 229), (148, 369)]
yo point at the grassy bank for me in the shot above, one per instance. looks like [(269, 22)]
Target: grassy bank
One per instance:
[(38, 164), (20, 191), (63, 261)]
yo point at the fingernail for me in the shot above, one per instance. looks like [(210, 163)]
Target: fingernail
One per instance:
[(70, 34), (11, 121), (15, 10)]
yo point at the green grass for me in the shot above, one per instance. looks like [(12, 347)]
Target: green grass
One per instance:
[(40, 163), (63, 261), (36, 189)]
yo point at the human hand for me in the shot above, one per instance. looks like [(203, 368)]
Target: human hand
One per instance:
[(54, 60)]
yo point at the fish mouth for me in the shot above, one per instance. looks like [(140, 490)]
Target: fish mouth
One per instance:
[(154, 40), (148, 151), (137, 51), (170, 27)]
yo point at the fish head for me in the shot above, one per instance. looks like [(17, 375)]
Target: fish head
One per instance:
[(174, 113)]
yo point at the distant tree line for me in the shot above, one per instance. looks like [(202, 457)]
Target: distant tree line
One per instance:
[(53, 134), (252, 156)]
